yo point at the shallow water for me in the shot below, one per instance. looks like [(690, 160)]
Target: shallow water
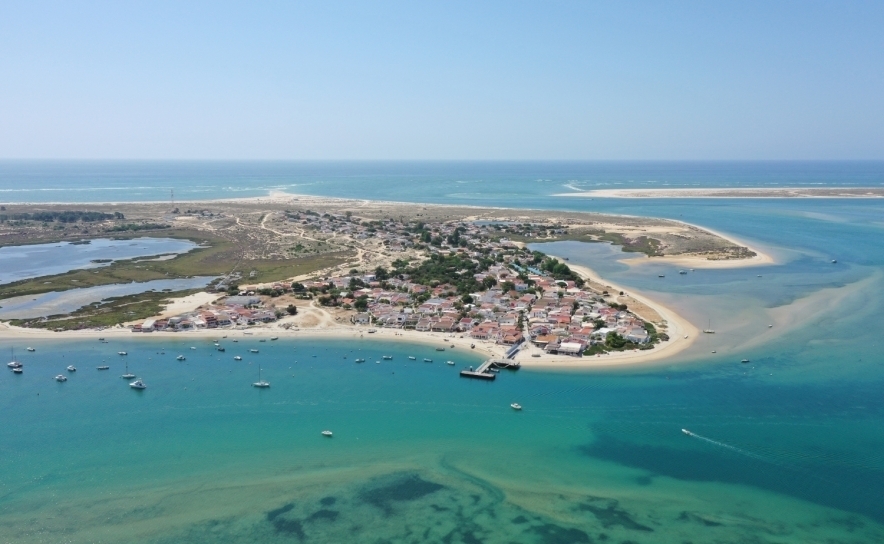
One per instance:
[(785, 449), (63, 302), (35, 260)]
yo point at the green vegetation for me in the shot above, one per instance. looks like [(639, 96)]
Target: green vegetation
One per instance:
[(110, 312), (136, 227), (217, 257), (62, 217), (456, 270)]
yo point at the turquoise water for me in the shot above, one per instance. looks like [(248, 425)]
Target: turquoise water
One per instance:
[(786, 448)]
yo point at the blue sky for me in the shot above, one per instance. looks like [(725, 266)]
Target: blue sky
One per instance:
[(442, 80)]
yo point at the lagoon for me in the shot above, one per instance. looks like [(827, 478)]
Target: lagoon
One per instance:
[(36, 260)]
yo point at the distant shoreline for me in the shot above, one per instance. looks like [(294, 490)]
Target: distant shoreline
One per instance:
[(735, 192)]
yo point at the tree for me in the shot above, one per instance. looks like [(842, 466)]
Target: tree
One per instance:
[(489, 282), (361, 303), (507, 286), (298, 287), (381, 273), (292, 309)]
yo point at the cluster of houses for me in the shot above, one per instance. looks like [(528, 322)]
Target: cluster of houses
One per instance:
[(235, 311)]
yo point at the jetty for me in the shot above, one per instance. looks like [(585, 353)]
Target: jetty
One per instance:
[(484, 373)]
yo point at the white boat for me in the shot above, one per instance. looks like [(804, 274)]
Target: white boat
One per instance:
[(237, 358), (128, 375), (72, 368), (713, 351), (122, 353), (687, 432), (13, 364), (709, 329), (744, 361), (260, 383), (30, 349), (192, 347), (138, 384), (516, 406), (327, 433), (427, 360), (274, 338), (412, 358), (180, 357), (61, 378), (253, 350), (449, 363), (102, 367), (834, 261), (440, 349), (360, 360), (387, 357), (18, 370)]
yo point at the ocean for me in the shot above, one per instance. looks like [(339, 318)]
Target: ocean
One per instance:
[(786, 448)]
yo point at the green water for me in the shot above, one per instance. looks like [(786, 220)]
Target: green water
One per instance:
[(421, 455)]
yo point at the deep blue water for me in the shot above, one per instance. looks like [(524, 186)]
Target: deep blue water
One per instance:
[(786, 448)]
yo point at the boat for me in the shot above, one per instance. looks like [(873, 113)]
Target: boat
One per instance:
[(440, 349), (128, 375), (387, 357), (237, 358), (192, 347), (360, 360), (260, 383), (682, 272), (13, 364), (72, 368), (516, 406), (61, 378), (30, 349), (101, 339), (427, 360), (138, 384), (709, 329), (713, 351), (495, 370), (180, 358), (253, 350), (327, 433), (834, 261), (102, 367), (18, 370), (274, 338), (262, 340), (687, 432), (221, 349), (377, 362), (661, 276), (372, 331), (412, 358), (122, 353), (451, 363), (745, 361), (472, 346)]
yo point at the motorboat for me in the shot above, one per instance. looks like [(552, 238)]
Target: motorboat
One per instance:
[(253, 350), (61, 378), (30, 349), (262, 340), (221, 349), (412, 358), (472, 346), (360, 360), (516, 406), (102, 367), (327, 433), (449, 363), (274, 338), (260, 383), (661, 276), (138, 384), (745, 361), (192, 347), (427, 360), (72, 368), (682, 272), (440, 349), (180, 358), (687, 432), (387, 357), (713, 351), (237, 358), (834, 261), (122, 353), (18, 370)]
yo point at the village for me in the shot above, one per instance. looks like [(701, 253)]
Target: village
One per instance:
[(463, 277)]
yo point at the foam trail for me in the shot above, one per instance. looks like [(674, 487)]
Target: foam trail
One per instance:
[(727, 446)]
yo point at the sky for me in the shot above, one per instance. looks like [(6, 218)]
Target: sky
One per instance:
[(442, 80)]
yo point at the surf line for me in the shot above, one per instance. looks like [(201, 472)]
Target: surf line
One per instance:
[(727, 446)]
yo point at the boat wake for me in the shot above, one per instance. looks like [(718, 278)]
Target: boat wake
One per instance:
[(727, 446)]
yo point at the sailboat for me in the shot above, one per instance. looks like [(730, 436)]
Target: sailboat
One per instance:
[(709, 329), (13, 364), (260, 382), (128, 375)]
